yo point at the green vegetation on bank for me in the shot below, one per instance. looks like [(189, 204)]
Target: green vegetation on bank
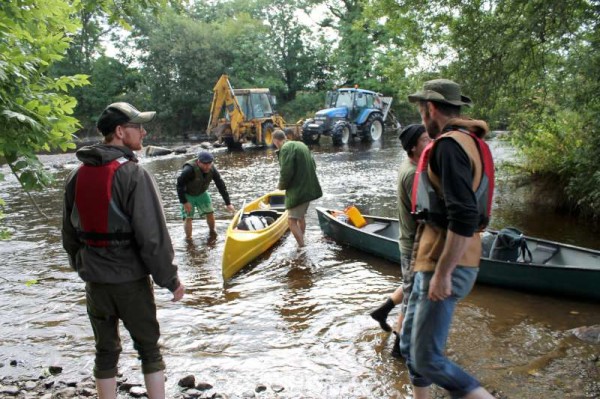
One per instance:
[(531, 67)]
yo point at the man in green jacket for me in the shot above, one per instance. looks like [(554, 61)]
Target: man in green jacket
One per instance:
[(298, 176)]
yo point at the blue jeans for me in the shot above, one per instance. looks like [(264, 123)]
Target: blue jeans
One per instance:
[(425, 332)]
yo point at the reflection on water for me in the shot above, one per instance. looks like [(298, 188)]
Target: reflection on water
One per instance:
[(296, 318)]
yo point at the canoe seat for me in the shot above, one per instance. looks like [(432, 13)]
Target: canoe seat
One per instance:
[(264, 212), (543, 253), (374, 227)]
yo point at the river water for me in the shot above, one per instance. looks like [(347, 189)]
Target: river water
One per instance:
[(294, 319)]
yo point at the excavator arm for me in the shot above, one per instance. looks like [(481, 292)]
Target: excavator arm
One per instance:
[(223, 96)]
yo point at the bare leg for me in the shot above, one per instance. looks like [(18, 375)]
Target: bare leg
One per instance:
[(302, 224), (399, 322), (421, 392), (479, 393), (396, 297), (187, 227), (155, 385), (210, 220), (296, 230), (107, 388)]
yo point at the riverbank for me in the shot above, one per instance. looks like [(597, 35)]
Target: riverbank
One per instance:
[(579, 379)]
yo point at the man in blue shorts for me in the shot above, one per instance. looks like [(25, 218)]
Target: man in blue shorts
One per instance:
[(192, 186)]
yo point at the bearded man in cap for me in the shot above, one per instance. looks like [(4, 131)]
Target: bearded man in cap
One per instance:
[(414, 139), (451, 175), (192, 190), (115, 234)]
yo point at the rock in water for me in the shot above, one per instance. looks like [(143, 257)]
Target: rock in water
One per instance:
[(589, 334), (153, 151)]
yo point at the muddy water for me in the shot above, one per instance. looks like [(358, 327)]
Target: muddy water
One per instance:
[(297, 319)]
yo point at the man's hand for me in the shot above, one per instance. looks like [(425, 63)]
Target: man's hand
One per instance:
[(178, 293), (187, 207), (440, 286), (230, 208)]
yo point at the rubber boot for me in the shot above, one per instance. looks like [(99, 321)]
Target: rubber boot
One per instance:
[(381, 313), (396, 348), (155, 385), (107, 388)]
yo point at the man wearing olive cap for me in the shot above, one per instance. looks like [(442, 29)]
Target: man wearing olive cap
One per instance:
[(115, 234), (192, 191), (447, 250)]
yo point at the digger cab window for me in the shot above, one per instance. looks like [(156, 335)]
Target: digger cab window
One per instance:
[(260, 105), (244, 102)]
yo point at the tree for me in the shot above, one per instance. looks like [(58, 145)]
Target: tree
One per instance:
[(293, 48), (35, 109)]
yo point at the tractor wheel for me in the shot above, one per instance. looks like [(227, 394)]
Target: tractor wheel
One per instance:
[(267, 134), (373, 128), (310, 136), (341, 133)]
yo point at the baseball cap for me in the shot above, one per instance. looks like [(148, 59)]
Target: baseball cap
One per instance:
[(205, 157), (119, 113)]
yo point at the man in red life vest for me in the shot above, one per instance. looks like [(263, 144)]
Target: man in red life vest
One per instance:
[(116, 237), (453, 172)]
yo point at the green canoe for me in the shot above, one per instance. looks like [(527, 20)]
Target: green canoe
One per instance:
[(555, 268)]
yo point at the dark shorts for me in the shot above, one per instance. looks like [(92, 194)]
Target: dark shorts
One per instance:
[(133, 303)]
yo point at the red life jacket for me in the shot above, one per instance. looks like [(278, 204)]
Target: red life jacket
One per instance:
[(427, 205), (97, 218)]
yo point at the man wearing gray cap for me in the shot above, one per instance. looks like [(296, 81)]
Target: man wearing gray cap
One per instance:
[(115, 234), (192, 191), (451, 176)]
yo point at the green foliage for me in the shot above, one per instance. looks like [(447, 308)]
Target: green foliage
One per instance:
[(4, 234), (293, 48), (303, 106), (35, 109), (530, 67)]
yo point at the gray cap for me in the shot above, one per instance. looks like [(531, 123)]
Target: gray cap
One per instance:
[(442, 91), (120, 113), (132, 113)]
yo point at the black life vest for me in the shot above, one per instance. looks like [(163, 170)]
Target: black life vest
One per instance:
[(96, 216), (428, 206), (201, 180)]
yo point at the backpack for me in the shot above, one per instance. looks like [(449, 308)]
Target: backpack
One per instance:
[(509, 245)]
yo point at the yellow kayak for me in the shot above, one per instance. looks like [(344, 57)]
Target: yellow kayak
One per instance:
[(254, 229)]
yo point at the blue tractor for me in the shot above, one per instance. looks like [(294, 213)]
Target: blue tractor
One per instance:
[(350, 113)]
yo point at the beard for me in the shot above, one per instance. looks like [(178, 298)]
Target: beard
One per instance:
[(433, 130)]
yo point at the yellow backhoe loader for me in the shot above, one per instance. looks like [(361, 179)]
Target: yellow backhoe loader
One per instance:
[(239, 116)]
